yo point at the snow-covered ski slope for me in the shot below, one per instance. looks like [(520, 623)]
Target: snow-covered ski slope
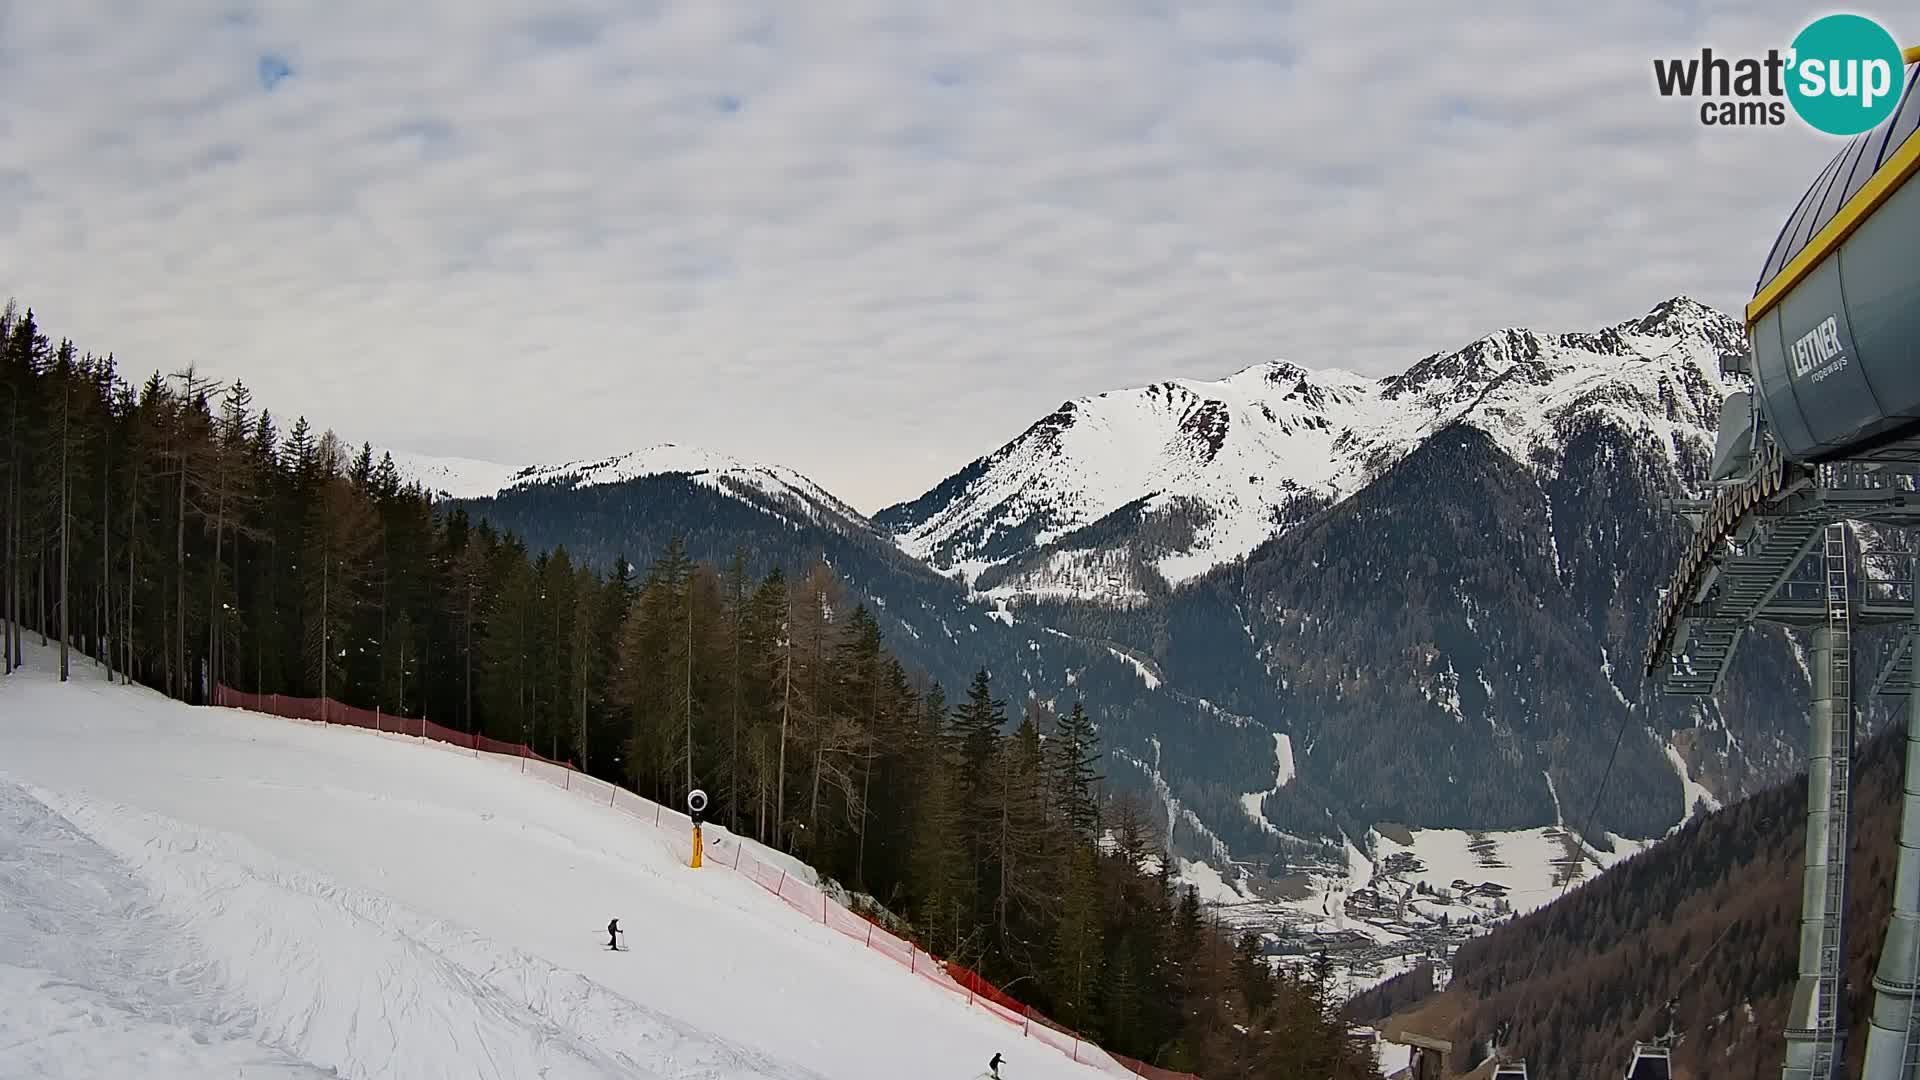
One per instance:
[(196, 892)]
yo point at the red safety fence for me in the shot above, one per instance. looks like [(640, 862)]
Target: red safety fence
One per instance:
[(722, 849)]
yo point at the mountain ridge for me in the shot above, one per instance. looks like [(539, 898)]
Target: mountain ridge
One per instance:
[(1207, 471), (1454, 385), (1073, 581)]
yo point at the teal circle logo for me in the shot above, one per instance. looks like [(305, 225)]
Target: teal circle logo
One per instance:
[(1845, 74)]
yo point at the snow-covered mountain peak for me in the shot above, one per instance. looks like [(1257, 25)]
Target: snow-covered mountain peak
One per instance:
[(1187, 474), (1271, 371), (460, 478)]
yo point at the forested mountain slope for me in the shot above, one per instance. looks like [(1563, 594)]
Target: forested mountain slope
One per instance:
[(722, 510), (1708, 919)]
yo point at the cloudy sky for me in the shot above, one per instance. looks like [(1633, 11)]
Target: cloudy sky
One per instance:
[(870, 239)]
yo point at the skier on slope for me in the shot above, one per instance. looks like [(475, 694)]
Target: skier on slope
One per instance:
[(993, 1066), (613, 933)]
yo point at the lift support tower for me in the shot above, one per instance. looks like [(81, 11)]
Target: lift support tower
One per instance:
[(1828, 435)]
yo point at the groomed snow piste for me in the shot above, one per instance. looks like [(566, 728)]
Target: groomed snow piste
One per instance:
[(197, 892)]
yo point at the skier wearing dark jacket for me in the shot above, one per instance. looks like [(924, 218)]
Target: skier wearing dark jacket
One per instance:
[(993, 1066), (613, 933)]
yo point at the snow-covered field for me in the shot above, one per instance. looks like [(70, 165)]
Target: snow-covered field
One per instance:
[(206, 892)]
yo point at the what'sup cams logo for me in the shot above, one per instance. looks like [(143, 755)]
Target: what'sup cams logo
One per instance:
[(1842, 75)]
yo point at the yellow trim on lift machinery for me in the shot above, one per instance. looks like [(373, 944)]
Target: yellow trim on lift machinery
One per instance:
[(1877, 190)]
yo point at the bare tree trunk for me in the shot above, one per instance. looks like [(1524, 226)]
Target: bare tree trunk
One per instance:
[(559, 699), (733, 753), (66, 507), (259, 633), (14, 605), (786, 703), (866, 788), (126, 641), (6, 556), (6, 575), (19, 583), (180, 581), (228, 662), (581, 642), (380, 692), (106, 550), (813, 808), (529, 696), (166, 643), (326, 564), (1006, 800), (689, 681), (468, 574), (19, 600), (213, 576)]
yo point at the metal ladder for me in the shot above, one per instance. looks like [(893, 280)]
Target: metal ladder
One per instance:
[(1840, 687)]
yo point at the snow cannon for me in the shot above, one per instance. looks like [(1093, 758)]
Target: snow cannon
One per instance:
[(696, 809), (1835, 316)]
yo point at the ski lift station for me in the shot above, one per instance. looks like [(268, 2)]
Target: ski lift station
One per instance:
[(1827, 437)]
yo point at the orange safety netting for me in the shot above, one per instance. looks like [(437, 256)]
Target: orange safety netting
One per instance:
[(722, 850)]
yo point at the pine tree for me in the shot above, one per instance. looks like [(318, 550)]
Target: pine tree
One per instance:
[(1078, 959), (506, 650), (1073, 753), (340, 538), (1021, 853), (942, 876), (229, 494), (977, 723), (772, 663), (191, 450), (737, 618)]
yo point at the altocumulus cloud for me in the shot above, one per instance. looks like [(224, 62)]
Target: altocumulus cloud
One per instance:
[(867, 239)]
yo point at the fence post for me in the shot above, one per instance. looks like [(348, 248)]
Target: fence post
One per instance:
[(1026, 1028), (657, 808), (737, 847), (823, 908), (1076, 1048), (376, 719), (523, 759), (869, 935), (783, 884)]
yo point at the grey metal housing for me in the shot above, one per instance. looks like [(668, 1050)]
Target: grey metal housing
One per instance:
[(1829, 387)]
